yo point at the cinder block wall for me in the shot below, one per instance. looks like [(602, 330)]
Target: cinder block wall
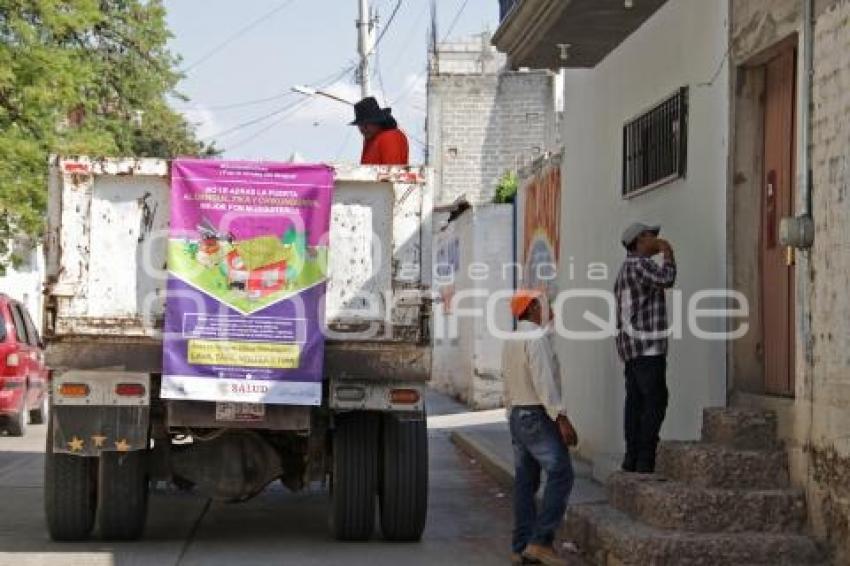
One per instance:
[(483, 123)]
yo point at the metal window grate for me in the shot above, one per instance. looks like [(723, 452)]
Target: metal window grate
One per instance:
[(655, 145)]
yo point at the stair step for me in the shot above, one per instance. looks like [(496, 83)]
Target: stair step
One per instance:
[(675, 505), (742, 429), (609, 537), (714, 465)]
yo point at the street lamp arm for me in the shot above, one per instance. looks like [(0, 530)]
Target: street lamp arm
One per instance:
[(310, 91)]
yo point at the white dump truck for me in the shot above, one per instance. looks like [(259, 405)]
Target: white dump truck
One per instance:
[(111, 432)]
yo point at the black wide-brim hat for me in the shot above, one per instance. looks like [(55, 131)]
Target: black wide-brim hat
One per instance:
[(368, 111)]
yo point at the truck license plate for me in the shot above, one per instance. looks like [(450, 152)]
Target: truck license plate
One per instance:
[(240, 412)]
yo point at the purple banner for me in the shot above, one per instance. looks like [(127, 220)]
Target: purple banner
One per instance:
[(247, 263)]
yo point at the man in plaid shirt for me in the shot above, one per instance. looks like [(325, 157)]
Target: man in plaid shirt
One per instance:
[(642, 330)]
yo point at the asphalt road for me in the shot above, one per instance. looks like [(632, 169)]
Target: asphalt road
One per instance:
[(468, 521)]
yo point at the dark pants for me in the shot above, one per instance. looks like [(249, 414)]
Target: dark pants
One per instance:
[(646, 406), (538, 446)]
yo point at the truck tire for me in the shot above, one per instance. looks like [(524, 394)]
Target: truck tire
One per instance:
[(39, 416), (123, 495), (17, 425), (354, 481), (70, 494), (404, 480)]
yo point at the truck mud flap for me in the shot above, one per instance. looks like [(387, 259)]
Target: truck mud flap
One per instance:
[(90, 431)]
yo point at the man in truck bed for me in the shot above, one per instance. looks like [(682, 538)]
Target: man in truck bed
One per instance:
[(383, 142)]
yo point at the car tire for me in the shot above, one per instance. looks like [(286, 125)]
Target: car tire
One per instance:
[(18, 422), (39, 416), (403, 494), (354, 480), (70, 494), (123, 495)]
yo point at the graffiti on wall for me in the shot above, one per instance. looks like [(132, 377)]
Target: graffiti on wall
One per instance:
[(448, 265), (542, 229)]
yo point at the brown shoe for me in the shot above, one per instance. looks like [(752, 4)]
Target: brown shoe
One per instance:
[(544, 555)]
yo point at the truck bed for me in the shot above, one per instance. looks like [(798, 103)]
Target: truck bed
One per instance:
[(106, 270)]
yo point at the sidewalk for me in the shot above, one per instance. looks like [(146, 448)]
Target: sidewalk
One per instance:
[(484, 437), (490, 445)]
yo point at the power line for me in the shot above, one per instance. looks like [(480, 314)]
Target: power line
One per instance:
[(251, 102), (455, 20), (281, 113), (328, 81), (297, 106), (283, 94), (387, 27), (239, 33), (400, 53)]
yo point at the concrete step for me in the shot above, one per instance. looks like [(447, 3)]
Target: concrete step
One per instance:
[(609, 537), (742, 429), (714, 465), (675, 505)]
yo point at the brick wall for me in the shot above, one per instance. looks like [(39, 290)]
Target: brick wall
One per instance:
[(815, 425), (829, 448), (483, 124)]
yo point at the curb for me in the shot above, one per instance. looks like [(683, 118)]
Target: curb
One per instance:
[(501, 470)]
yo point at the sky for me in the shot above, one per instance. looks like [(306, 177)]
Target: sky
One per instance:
[(238, 52)]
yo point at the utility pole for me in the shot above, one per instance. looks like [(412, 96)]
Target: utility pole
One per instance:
[(364, 26)]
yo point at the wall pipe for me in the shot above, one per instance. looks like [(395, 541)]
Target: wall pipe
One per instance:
[(806, 107)]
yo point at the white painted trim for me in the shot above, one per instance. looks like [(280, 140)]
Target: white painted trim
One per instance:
[(191, 388)]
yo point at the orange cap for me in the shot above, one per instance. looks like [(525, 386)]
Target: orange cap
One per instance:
[(522, 299)]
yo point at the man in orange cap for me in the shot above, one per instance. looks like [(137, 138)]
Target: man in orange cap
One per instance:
[(540, 431)]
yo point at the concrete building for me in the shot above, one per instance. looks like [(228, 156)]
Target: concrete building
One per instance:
[(795, 362), (26, 281), (482, 119), (680, 47), (472, 264), (744, 122)]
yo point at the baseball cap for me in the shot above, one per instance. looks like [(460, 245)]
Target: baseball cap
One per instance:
[(631, 233)]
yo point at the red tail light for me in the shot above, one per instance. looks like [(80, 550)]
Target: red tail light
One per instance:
[(130, 390), (404, 396)]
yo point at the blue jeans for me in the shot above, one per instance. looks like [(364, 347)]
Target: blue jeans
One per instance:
[(538, 446)]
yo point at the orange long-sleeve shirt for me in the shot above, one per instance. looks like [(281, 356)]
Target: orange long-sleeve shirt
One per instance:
[(389, 147)]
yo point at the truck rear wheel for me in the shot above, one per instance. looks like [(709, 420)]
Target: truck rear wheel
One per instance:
[(70, 494), (354, 483), (404, 480), (123, 495)]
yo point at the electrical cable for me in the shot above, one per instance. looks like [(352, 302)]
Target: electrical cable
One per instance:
[(456, 19), (386, 27), (277, 111), (242, 31)]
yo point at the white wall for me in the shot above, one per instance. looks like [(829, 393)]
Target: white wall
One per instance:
[(683, 44), (26, 283), (468, 365)]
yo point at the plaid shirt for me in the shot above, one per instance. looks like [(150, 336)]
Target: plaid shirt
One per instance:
[(642, 307)]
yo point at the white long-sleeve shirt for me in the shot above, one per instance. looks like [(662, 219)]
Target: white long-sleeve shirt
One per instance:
[(531, 371)]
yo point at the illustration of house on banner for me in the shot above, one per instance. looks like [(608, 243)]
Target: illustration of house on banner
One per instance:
[(260, 266)]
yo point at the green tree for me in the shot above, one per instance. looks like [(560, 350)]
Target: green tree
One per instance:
[(81, 77)]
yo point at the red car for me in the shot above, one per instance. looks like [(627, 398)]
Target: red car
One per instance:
[(24, 376)]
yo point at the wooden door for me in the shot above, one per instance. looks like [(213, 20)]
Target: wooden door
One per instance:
[(777, 273)]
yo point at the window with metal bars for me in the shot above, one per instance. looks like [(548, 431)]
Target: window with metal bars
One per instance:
[(655, 145)]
